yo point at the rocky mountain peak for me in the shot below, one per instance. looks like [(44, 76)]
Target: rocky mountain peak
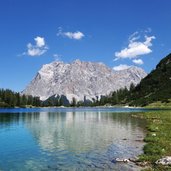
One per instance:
[(81, 80)]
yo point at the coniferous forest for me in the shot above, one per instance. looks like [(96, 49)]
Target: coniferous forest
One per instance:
[(9, 98)]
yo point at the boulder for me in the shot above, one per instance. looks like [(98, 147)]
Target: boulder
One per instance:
[(164, 161)]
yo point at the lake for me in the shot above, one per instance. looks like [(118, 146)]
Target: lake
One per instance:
[(69, 138)]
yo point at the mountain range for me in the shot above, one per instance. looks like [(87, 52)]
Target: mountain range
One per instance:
[(81, 80)]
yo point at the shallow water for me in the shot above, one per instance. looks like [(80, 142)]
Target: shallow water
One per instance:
[(68, 139)]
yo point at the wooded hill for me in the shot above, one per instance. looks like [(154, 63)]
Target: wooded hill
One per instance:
[(156, 86)]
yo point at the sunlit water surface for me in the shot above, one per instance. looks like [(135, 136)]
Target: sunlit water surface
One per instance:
[(68, 139)]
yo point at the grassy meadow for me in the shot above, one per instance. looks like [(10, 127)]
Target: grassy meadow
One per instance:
[(158, 138)]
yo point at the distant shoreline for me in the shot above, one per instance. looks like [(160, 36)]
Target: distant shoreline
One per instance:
[(126, 107)]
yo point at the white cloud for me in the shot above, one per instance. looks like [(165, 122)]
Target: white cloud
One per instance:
[(38, 49), (40, 41), (138, 61), (74, 35), (136, 47), (71, 35), (57, 57), (134, 36), (121, 67)]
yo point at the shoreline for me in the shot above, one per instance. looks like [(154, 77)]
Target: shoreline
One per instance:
[(114, 106), (157, 139)]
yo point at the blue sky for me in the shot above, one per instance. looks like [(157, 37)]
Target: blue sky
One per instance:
[(115, 32)]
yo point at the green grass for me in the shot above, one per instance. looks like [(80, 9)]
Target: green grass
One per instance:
[(158, 138), (159, 104)]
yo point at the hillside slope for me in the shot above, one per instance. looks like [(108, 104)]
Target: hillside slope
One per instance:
[(156, 86)]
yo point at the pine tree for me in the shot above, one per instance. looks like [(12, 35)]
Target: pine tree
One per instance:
[(74, 102)]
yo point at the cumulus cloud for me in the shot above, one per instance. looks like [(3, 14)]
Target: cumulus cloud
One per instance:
[(136, 47), (40, 41), (74, 35), (38, 49), (71, 35), (121, 67), (138, 61)]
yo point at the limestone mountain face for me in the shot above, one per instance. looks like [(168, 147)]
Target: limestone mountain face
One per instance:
[(81, 80)]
